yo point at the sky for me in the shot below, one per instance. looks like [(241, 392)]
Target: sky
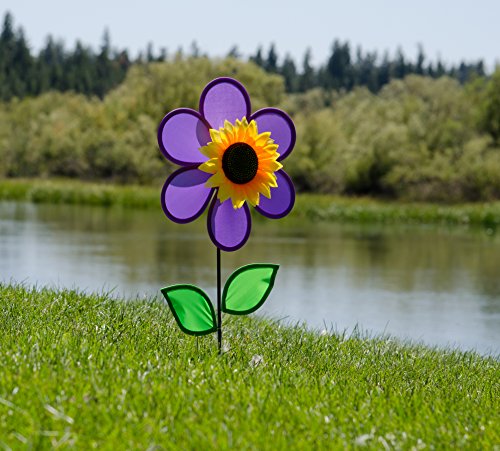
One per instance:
[(452, 30)]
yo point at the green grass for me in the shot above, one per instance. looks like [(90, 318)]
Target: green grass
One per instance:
[(316, 207), (88, 372)]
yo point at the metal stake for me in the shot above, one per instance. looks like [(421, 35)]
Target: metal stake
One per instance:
[(219, 304)]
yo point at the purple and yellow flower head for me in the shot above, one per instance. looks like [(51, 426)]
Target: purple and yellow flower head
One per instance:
[(230, 158)]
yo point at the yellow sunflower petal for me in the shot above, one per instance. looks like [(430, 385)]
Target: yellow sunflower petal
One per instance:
[(270, 165), (224, 193), (253, 198), (237, 202), (265, 190), (240, 132), (262, 139), (210, 166), (271, 148), (215, 136), (228, 126), (211, 150), (269, 179), (214, 181), (226, 137), (252, 129)]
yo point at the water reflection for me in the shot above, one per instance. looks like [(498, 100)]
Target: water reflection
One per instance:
[(433, 284)]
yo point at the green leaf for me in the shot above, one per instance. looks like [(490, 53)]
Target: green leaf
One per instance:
[(248, 287), (192, 309)]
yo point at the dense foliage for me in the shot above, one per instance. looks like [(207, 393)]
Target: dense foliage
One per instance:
[(70, 135), (418, 138), (82, 70)]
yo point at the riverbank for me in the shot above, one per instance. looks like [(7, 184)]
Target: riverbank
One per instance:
[(91, 372), (313, 206)]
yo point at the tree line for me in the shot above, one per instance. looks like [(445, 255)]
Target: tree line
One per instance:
[(56, 69), (345, 69), (83, 70)]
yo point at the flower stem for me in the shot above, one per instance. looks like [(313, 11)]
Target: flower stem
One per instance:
[(219, 309)]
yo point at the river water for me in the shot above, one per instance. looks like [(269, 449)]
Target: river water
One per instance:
[(435, 285)]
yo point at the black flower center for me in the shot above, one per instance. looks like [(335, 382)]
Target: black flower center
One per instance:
[(240, 163)]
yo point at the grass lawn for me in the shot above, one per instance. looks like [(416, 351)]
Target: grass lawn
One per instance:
[(313, 206), (86, 372)]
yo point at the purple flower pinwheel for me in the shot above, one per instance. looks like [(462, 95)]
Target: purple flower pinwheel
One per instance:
[(230, 158)]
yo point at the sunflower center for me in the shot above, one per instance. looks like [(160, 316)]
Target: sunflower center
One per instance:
[(240, 163)]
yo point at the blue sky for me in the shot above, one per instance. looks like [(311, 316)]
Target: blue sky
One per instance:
[(454, 30)]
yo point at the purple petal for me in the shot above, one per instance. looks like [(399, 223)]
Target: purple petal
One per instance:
[(184, 196), (181, 134), (282, 198), (228, 228), (224, 98), (281, 127)]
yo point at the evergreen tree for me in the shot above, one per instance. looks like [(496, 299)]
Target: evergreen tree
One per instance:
[(419, 66), (104, 67), (479, 69), (234, 52), (7, 36), (80, 75), (289, 73), (23, 76), (195, 50), (149, 53), (384, 71), (271, 64), (50, 66), (440, 69), (400, 66), (357, 67), (17, 66), (369, 72), (7, 44), (124, 61), (307, 79), (462, 72), (430, 71), (161, 57), (257, 58), (338, 68)]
